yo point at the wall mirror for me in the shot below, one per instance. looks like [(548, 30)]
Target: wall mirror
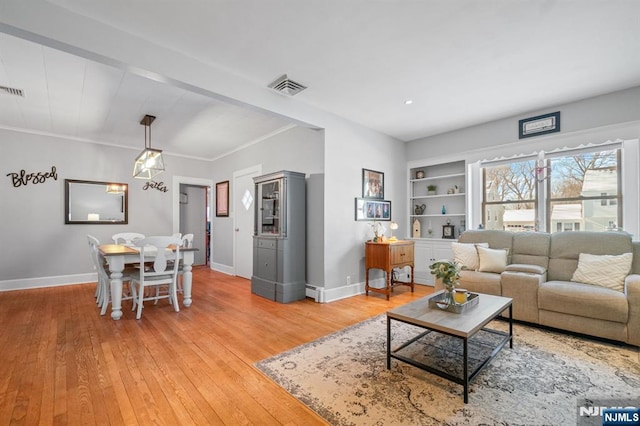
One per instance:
[(89, 202)]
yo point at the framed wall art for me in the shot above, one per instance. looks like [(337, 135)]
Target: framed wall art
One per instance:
[(372, 184), (368, 209), (222, 199), (539, 125)]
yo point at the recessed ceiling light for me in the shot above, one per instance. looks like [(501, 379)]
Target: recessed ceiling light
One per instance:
[(408, 102)]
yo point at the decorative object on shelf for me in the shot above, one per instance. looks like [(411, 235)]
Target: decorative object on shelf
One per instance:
[(416, 228), (419, 209), (149, 162), (372, 184), (222, 199), (378, 231), (449, 191), (367, 209), (448, 231), (420, 174), (539, 125), (444, 209), (431, 189), (449, 272), (392, 227), (456, 189)]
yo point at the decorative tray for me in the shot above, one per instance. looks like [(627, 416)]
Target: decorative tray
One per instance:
[(437, 302)]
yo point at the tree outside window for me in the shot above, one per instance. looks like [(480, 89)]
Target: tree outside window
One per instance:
[(581, 193)]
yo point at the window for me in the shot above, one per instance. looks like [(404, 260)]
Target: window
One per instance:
[(509, 196), (584, 191), (578, 189)]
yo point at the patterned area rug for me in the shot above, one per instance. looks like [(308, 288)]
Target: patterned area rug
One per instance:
[(343, 377)]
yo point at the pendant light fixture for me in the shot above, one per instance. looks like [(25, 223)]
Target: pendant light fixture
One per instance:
[(149, 163)]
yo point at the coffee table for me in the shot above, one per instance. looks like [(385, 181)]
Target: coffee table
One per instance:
[(463, 326)]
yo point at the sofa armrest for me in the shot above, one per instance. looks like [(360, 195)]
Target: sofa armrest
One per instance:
[(522, 287), (632, 290), (528, 269)]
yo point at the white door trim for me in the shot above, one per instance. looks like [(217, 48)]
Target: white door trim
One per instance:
[(257, 169)]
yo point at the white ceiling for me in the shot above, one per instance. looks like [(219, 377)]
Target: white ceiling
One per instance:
[(461, 62)]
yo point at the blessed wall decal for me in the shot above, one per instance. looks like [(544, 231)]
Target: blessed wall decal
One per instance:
[(23, 178), (155, 185)]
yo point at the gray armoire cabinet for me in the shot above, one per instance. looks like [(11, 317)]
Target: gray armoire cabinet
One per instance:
[(279, 243)]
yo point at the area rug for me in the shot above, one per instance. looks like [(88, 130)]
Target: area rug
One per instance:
[(541, 381)]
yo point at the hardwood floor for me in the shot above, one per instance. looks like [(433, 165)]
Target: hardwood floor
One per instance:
[(63, 363)]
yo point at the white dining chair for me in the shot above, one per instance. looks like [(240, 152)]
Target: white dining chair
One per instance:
[(103, 286), (160, 271), (127, 238)]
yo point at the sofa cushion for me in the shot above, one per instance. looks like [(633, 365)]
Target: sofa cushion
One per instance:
[(492, 260), (481, 282), (583, 300), (603, 270), (466, 254), (565, 248), (529, 269), (531, 248)]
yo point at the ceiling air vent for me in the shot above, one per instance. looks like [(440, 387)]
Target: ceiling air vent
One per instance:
[(289, 87), (11, 91)]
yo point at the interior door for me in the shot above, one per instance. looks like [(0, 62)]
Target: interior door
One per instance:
[(243, 208)]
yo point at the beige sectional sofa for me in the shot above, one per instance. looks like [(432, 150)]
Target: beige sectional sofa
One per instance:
[(538, 277)]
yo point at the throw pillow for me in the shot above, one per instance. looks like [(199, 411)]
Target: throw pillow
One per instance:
[(466, 254), (603, 270), (492, 260)]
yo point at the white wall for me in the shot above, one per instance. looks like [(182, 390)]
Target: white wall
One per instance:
[(590, 121), (37, 247)]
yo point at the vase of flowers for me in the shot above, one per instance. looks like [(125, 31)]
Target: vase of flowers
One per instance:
[(449, 272), (378, 231)]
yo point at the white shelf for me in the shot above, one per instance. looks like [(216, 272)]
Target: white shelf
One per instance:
[(438, 215), (432, 178), (459, 194)]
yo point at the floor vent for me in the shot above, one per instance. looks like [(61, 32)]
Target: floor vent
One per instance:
[(11, 91), (289, 87)]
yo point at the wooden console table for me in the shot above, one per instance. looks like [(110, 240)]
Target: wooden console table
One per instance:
[(387, 256)]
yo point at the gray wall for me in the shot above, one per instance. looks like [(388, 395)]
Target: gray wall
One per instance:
[(586, 117), (298, 149), (35, 241)]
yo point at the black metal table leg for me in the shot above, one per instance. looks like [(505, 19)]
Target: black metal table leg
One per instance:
[(466, 370), (388, 343)]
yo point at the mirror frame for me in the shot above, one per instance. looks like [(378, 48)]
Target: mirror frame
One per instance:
[(67, 200)]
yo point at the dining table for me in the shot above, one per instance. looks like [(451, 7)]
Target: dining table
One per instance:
[(118, 256)]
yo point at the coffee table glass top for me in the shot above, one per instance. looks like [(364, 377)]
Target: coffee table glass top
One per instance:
[(465, 324)]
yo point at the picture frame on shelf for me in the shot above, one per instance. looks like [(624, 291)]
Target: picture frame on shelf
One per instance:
[(368, 209), (372, 184), (448, 232), (539, 125), (222, 199)]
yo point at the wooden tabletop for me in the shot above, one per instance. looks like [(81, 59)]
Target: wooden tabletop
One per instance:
[(119, 249), (465, 324)]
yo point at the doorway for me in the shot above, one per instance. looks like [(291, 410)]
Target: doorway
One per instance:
[(243, 208), (196, 207)]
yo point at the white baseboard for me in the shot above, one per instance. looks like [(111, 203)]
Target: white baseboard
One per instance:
[(29, 283), (225, 269), (322, 295)]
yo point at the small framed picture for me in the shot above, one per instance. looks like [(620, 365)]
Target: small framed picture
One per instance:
[(368, 209), (372, 184), (539, 125), (222, 199)]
